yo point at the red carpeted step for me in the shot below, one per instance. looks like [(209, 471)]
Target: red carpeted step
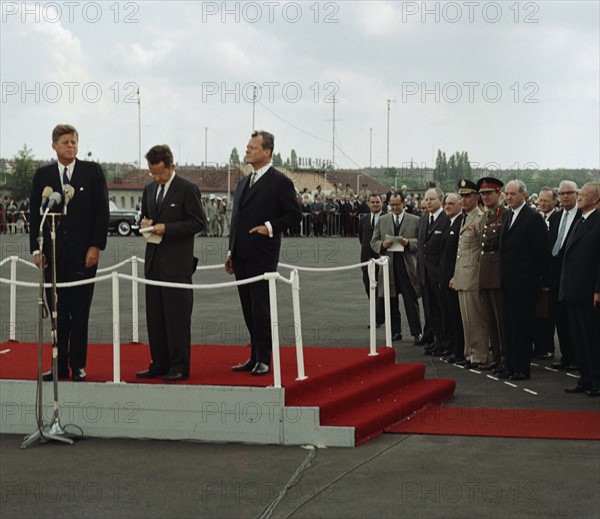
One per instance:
[(360, 388), (320, 376), (371, 418)]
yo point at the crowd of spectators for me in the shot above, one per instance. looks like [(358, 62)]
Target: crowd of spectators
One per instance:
[(13, 218)]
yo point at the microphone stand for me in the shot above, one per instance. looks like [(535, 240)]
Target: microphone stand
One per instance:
[(54, 430)]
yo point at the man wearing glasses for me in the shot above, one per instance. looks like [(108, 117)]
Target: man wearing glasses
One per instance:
[(561, 226), (171, 206)]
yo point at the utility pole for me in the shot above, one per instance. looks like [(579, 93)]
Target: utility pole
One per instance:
[(139, 130), (332, 140), (254, 110), (389, 101), (370, 148), (205, 146)]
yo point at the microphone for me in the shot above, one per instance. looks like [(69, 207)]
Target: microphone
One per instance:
[(45, 196), (69, 192), (54, 200)]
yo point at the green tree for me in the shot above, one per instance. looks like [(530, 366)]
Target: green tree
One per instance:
[(277, 162), (293, 160), (234, 158), (441, 167), (19, 183)]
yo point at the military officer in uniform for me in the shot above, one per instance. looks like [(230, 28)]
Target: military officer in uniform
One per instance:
[(466, 278), (489, 268)]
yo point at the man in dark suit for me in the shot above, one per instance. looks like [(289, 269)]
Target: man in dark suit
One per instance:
[(563, 219), (365, 232), (80, 236), (452, 208), (171, 206), (264, 206), (403, 264), (580, 289), (524, 257), (543, 336), (431, 229)]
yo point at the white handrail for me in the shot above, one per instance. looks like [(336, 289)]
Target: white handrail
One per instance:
[(270, 277)]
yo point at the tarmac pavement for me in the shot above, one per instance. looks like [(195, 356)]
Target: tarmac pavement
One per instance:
[(391, 476)]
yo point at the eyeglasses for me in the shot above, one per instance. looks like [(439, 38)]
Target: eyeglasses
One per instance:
[(566, 193)]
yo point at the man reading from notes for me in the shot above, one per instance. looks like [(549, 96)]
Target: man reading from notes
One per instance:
[(80, 236), (265, 204), (171, 207)]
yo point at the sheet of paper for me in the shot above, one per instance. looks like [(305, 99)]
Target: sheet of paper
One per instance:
[(396, 246)]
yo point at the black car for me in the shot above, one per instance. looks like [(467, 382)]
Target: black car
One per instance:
[(123, 222)]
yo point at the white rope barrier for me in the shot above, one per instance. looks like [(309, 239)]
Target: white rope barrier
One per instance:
[(270, 277)]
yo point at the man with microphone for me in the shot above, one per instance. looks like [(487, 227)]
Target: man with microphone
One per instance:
[(80, 236)]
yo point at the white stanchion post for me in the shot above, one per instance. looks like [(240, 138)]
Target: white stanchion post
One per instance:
[(372, 303), (13, 299), (298, 325), (116, 329), (275, 360), (135, 323), (386, 302)]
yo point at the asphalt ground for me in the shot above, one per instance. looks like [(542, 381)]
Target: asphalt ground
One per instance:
[(391, 476)]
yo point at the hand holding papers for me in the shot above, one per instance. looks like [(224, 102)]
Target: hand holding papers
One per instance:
[(397, 243)]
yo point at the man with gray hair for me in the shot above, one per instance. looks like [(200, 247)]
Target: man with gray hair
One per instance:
[(580, 289), (524, 257), (561, 226)]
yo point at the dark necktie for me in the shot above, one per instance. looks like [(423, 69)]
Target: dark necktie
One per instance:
[(373, 222), (396, 225), (429, 224), (161, 195), (510, 219), (65, 176), (252, 179)]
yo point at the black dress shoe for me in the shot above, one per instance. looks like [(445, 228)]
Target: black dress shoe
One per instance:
[(571, 367), (421, 340), (78, 375), (545, 356), (260, 369), (174, 376), (451, 359), (397, 337), (464, 363), (504, 374), (575, 389), (558, 365), (593, 392), (246, 366), (148, 374), (472, 365), (488, 367), (48, 377), (440, 353), (519, 376)]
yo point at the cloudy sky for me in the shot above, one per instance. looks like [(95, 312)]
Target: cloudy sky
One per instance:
[(516, 84)]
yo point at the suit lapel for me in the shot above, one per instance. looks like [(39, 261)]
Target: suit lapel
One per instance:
[(519, 218), (403, 225), (169, 194), (247, 193), (76, 173), (579, 229), (152, 201), (258, 185)]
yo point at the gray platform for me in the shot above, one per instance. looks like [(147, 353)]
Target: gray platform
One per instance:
[(174, 412)]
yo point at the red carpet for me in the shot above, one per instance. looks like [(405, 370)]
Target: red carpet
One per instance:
[(513, 423), (349, 387)]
